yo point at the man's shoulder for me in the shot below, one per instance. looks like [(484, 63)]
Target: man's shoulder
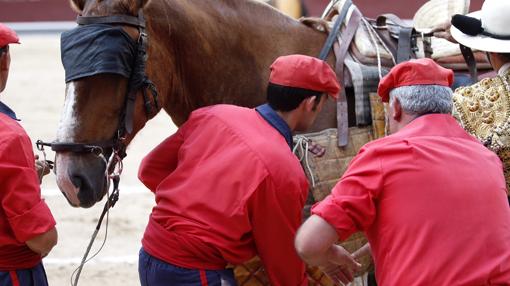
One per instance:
[(221, 110), (242, 127), (10, 129), (383, 142), (221, 117)]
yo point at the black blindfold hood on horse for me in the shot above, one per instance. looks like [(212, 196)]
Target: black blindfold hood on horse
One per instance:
[(93, 49), (97, 49)]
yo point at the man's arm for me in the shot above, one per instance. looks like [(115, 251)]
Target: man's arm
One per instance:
[(275, 215), (349, 208), (315, 244), (30, 218), (43, 243), (160, 162)]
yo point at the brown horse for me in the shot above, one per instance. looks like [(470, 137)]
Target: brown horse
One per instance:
[(199, 53)]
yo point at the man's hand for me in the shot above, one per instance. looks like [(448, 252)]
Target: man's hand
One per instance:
[(341, 265), (42, 168), (363, 251), (443, 31), (337, 274)]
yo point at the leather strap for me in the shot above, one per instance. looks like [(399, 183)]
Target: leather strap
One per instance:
[(341, 48), (405, 36), (96, 148), (382, 20), (130, 110), (136, 83), (138, 21), (404, 49), (114, 19), (427, 45), (336, 29), (469, 57)]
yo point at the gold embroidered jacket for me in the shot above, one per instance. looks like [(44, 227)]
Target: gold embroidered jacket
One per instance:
[(483, 109)]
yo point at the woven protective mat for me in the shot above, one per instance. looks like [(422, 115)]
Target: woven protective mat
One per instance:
[(326, 169), (252, 273)]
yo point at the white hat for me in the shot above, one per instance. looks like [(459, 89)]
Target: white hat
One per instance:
[(436, 12), (494, 33)]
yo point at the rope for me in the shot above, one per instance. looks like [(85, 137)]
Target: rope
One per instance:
[(329, 8), (46, 162), (301, 147), (375, 39), (84, 260), (115, 163), (376, 44)]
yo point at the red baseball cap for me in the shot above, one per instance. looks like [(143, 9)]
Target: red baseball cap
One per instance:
[(7, 36), (414, 72), (304, 72)]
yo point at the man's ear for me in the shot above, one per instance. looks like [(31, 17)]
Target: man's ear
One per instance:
[(396, 110), (310, 103)]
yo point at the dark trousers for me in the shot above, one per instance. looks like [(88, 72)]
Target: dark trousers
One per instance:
[(27, 277), (155, 272)]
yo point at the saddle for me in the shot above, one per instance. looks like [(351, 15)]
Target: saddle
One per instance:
[(392, 39), (386, 41), (413, 39)]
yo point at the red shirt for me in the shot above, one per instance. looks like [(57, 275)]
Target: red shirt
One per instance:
[(432, 202), (227, 188), (23, 214)]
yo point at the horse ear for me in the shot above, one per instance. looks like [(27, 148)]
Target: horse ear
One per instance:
[(78, 5)]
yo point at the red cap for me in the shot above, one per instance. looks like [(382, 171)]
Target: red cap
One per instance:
[(414, 72), (7, 36), (304, 72)]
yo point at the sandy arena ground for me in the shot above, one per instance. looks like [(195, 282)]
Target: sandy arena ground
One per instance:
[(35, 91)]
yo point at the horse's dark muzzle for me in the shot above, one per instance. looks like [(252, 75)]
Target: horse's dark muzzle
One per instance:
[(88, 176)]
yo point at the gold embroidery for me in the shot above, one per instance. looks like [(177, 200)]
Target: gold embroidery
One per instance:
[(473, 105), (483, 109), (488, 117), (493, 95)]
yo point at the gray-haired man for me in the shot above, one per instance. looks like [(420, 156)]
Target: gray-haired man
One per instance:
[(430, 198)]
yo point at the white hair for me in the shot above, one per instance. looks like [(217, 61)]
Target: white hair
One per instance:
[(423, 99)]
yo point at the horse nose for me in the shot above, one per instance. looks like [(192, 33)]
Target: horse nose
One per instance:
[(81, 179), (77, 181), (87, 195)]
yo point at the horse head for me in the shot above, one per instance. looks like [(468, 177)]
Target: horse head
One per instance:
[(104, 58), (200, 53)]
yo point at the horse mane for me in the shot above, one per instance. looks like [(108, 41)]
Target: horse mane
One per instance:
[(240, 37), (119, 6)]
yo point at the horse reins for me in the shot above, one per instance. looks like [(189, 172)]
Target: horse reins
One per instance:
[(138, 81)]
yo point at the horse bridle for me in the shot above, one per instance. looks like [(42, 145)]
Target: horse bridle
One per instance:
[(138, 81)]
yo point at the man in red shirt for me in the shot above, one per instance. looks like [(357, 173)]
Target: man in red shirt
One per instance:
[(430, 198), (27, 228), (228, 186)]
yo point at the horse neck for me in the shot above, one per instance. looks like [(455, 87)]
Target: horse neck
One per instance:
[(208, 52)]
